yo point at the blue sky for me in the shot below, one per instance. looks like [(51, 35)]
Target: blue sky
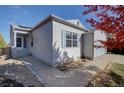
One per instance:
[(31, 15)]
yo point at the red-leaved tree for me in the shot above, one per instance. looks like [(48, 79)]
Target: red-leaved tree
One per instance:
[(111, 20)]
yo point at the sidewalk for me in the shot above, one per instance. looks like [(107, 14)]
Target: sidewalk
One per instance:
[(80, 77), (52, 77)]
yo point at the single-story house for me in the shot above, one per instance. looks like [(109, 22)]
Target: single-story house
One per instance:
[(54, 40)]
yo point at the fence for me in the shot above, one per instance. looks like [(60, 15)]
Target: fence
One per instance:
[(5, 53)]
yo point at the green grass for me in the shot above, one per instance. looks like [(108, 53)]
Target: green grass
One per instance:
[(118, 69), (117, 74), (3, 46)]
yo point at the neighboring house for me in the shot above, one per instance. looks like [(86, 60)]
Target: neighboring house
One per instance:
[(53, 40)]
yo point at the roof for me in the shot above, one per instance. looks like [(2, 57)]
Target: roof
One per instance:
[(20, 27), (74, 21), (60, 20), (49, 18)]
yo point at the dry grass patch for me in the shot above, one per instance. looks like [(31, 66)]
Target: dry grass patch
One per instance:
[(14, 71), (71, 64), (113, 77)]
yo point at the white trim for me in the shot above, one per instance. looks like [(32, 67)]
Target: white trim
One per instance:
[(63, 39), (22, 32), (14, 40)]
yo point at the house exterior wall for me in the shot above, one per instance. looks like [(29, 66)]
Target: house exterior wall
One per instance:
[(98, 35), (12, 42), (42, 43), (59, 53), (11, 37), (87, 42)]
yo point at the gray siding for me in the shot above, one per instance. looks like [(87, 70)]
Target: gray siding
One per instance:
[(87, 42), (42, 43), (60, 53)]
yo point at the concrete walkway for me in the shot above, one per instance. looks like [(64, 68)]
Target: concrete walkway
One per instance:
[(79, 77), (102, 61)]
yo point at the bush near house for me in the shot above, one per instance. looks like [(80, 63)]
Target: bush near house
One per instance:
[(117, 51), (2, 42), (112, 78)]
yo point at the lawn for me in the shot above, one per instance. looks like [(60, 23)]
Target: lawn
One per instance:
[(118, 69), (114, 77)]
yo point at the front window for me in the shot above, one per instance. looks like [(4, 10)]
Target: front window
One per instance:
[(71, 39), (18, 42)]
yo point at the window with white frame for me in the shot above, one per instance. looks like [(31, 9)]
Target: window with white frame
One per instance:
[(71, 39)]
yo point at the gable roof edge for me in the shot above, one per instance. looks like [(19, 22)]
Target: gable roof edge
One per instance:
[(57, 19)]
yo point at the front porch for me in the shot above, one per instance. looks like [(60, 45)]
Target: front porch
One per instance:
[(20, 45)]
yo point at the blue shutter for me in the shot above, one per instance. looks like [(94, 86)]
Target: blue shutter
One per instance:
[(78, 40), (63, 39)]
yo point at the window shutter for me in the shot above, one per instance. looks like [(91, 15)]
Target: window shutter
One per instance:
[(63, 39), (78, 40)]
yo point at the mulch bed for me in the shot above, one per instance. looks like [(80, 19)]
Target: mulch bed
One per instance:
[(101, 80)]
